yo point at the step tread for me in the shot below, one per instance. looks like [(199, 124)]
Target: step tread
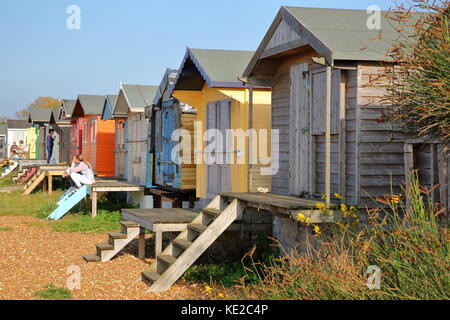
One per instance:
[(129, 224), (212, 211), (182, 243), (167, 259), (91, 258), (197, 227), (117, 235), (104, 246), (150, 275)]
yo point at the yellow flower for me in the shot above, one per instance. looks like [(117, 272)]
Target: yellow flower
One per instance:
[(301, 217), (208, 289), (338, 196), (320, 205), (317, 230), (395, 199), (308, 221), (220, 295)]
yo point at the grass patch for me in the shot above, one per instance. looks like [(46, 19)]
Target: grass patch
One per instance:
[(6, 229), (7, 181), (52, 292), (14, 204), (104, 221), (226, 275), (408, 243)]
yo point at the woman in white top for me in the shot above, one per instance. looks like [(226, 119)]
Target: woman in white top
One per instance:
[(80, 172)]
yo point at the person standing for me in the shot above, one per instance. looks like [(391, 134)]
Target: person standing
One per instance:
[(49, 142)]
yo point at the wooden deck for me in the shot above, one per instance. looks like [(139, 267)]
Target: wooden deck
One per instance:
[(110, 185), (275, 203), (148, 218), (159, 221)]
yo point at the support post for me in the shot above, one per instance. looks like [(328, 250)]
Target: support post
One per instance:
[(158, 241), (141, 252), (328, 140), (50, 184), (94, 204)]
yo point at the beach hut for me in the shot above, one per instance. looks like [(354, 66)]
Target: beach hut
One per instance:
[(39, 118), (333, 136), (64, 115), (166, 116), (60, 122), (97, 139), (130, 109), (3, 144), (16, 132), (208, 80), (119, 151)]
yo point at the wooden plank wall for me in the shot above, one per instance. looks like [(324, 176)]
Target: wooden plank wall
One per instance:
[(380, 145), (351, 92), (188, 174), (105, 146), (137, 148)]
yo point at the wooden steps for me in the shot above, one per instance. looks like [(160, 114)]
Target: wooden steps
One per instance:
[(117, 241), (191, 243), (34, 182)]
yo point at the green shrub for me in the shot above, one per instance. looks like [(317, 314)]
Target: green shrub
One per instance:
[(104, 221), (410, 244), (44, 211), (52, 292)]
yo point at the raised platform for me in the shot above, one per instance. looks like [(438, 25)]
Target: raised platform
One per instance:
[(159, 221), (285, 205), (111, 185)]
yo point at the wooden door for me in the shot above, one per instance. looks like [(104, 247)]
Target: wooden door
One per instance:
[(218, 173), (299, 130), (168, 126), (120, 149)]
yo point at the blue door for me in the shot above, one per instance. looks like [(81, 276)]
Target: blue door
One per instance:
[(167, 145)]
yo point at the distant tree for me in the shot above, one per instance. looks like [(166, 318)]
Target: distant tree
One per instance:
[(41, 102)]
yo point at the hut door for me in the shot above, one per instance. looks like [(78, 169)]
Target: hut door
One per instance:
[(218, 174), (120, 147), (299, 130), (167, 146)]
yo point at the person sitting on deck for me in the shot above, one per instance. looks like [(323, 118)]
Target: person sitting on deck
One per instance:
[(80, 172)]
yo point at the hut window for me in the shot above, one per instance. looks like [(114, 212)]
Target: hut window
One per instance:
[(93, 131), (84, 133), (318, 87)]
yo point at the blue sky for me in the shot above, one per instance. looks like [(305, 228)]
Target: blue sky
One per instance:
[(131, 41)]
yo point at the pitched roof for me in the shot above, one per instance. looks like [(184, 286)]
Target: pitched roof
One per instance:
[(164, 90), (134, 97), (91, 104), (18, 124), (37, 114), (337, 34), (68, 106), (54, 117), (218, 68), (110, 102)]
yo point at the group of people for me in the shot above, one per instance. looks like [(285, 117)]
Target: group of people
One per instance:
[(19, 151)]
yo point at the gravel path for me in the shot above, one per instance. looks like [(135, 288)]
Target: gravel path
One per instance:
[(32, 256)]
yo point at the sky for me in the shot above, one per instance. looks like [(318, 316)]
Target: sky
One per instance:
[(131, 41)]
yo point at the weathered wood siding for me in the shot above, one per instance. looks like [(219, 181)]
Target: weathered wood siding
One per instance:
[(380, 144), (137, 148)]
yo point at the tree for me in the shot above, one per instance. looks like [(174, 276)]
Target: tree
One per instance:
[(41, 102), (418, 90)]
